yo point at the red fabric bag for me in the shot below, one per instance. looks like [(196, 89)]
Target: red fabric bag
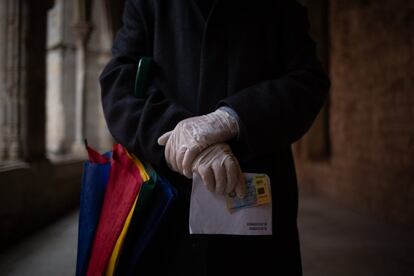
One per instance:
[(123, 186)]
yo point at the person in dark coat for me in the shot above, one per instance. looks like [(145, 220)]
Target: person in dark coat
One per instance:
[(254, 58)]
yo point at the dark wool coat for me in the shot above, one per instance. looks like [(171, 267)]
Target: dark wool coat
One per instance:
[(257, 58)]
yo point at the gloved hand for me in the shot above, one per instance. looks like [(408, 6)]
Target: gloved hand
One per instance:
[(191, 136), (220, 170)]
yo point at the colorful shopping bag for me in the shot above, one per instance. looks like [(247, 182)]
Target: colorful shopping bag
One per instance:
[(94, 181), (113, 260), (145, 224), (123, 187), (136, 222)]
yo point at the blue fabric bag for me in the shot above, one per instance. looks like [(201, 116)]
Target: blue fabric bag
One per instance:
[(162, 197), (94, 181)]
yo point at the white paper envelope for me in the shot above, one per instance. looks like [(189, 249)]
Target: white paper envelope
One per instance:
[(209, 215)]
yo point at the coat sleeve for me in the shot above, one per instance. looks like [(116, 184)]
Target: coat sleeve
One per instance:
[(277, 112), (136, 123)]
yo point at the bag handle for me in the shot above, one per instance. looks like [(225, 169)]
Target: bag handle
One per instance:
[(142, 77)]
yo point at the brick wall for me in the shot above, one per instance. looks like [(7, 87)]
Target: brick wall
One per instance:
[(371, 113)]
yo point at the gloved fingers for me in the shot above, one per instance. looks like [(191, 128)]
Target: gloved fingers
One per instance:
[(220, 175), (179, 156), (170, 155), (188, 160), (207, 175), (232, 174), (205, 157), (241, 186), (167, 154), (162, 140), (241, 182)]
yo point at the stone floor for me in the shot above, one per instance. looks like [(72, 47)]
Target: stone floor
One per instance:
[(335, 242), (338, 242)]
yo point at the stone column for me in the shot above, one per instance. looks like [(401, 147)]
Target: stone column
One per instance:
[(82, 30), (113, 11), (34, 111), (98, 55), (22, 79), (60, 79), (11, 55)]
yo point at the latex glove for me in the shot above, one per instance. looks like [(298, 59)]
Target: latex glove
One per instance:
[(220, 170), (191, 136)]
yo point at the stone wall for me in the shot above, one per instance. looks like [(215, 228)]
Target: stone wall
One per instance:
[(31, 195), (371, 164), (40, 172)]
